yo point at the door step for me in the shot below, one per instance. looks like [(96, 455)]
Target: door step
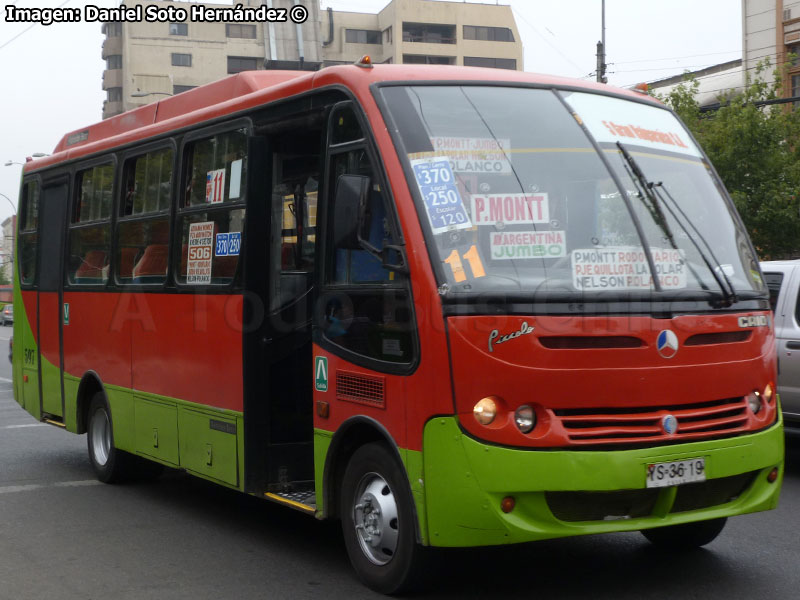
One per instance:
[(53, 420), (305, 501)]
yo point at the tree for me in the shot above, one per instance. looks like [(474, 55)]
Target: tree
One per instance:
[(753, 148)]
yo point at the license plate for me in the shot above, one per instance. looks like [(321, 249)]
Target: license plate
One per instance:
[(675, 473)]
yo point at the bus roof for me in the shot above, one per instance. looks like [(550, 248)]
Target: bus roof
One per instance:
[(250, 89)]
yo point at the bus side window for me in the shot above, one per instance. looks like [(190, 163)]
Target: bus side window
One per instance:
[(369, 311), (28, 232), (143, 227), (90, 228)]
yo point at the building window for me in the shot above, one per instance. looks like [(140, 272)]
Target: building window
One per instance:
[(178, 29), (237, 64), (179, 89), (238, 30), (492, 63), (429, 33), (362, 36), (181, 60), (489, 34), (387, 35), (114, 94), (796, 89), (421, 59), (113, 29), (114, 62)]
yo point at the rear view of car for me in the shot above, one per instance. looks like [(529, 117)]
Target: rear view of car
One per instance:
[(7, 317)]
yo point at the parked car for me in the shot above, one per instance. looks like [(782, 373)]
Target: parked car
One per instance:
[(783, 280), (7, 315)]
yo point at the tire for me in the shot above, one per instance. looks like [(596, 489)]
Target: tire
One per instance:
[(686, 536), (110, 465), (378, 521)]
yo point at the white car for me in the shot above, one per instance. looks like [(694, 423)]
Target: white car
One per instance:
[(783, 280)]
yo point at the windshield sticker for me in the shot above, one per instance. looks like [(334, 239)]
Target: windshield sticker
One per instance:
[(626, 268), (472, 155), (472, 257), (201, 241), (235, 189), (215, 186), (443, 203), (527, 244), (228, 244), (510, 209), (613, 120)]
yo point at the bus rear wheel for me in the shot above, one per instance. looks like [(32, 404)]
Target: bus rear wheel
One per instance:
[(685, 536), (378, 521)]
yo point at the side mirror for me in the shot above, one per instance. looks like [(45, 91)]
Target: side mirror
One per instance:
[(349, 208)]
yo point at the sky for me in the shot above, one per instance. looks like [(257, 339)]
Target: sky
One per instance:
[(52, 75)]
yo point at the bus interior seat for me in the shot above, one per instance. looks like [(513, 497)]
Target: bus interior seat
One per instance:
[(91, 267), (152, 267)]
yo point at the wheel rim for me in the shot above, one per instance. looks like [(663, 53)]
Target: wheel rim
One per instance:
[(101, 437), (375, 519)]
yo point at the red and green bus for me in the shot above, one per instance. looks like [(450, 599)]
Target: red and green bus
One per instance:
[(447, 306)]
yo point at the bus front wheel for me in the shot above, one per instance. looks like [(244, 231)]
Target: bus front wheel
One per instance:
[(378, 521), (685, 536)]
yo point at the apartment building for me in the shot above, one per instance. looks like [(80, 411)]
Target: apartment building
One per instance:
[(771, 30), (9, 226), (425, 32), (147, 61)]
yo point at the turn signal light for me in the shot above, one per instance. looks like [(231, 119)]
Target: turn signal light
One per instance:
[(773, 475), (507, 504), (769, 393), (485, 410)]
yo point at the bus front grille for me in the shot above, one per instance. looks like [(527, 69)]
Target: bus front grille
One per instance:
[(645, 424)]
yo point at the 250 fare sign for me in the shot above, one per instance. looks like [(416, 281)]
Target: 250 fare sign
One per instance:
[(626, 269)]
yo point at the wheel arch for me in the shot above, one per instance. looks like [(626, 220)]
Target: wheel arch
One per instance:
[(349, 437), (89, 386)]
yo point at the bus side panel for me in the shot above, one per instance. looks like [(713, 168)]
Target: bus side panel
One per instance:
[(49, 316), (189, 346), (97, 338), (26, 351)]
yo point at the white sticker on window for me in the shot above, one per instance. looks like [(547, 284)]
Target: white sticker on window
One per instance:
[(510, 209), (236, 179), (201, 243), (474, 155), (626, 268), (527, 244), (215, 186)]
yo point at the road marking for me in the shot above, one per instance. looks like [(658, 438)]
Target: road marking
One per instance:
[(12, 489), (25, 425), (4, 380)]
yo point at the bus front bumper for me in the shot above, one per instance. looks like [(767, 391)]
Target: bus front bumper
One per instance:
[(559, 493)]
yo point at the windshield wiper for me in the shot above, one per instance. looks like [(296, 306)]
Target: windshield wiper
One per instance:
[(650, 189)]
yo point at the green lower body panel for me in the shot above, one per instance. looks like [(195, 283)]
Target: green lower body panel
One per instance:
[(561, 493)]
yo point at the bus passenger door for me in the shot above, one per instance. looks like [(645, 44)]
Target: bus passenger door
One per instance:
[(279, 268), (52, 313)]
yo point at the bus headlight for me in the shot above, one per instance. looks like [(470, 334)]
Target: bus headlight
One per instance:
[(525, 418), (485, 410), (754, 402)]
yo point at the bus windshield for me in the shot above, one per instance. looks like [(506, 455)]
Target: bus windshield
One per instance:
[(528, 191)]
